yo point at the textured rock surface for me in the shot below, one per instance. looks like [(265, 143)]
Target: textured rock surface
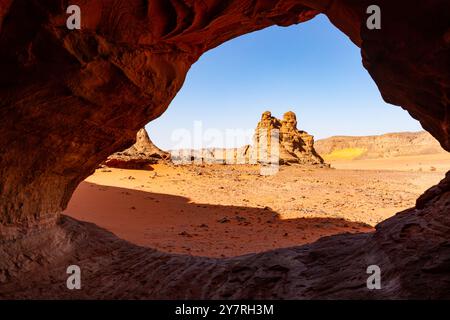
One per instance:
[(382, 146), (68, 99), (294, 146), (139, 156)]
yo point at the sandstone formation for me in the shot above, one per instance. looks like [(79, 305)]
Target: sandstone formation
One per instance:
[(274, 142), (139, 156), (69, 99), (294, 146), (383, 146)]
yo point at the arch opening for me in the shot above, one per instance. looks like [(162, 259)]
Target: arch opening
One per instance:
[(204, 208)]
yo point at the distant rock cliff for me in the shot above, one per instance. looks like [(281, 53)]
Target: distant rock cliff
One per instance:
[(374, 147)]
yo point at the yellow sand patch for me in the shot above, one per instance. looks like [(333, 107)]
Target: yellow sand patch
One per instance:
[(345, 154)]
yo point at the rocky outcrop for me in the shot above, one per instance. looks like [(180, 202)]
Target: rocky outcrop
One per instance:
[(69, 99), (383, 146), (140, 155), (293, 146), (276, 142)]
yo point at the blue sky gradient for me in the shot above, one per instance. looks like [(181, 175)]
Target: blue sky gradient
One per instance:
[(312, 69)]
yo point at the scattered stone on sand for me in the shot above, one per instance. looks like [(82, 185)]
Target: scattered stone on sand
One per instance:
[(185, 234), (293, 201), (224, 220)]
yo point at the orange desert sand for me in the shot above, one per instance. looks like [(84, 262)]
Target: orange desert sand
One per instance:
[(222, 211)]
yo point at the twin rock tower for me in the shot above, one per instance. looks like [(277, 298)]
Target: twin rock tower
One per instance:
[(295, 146)]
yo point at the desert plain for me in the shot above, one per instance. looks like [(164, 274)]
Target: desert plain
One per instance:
[(231, 210)]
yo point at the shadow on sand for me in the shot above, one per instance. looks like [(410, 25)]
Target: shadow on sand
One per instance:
[(174, 224)]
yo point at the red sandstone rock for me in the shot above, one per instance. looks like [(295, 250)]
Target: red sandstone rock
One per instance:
[(68, 99)]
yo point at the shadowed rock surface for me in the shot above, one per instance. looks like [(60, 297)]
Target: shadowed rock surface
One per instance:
[(139, 156), (69, 99)]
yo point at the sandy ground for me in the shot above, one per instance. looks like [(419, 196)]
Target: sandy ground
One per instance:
[(222, 211)]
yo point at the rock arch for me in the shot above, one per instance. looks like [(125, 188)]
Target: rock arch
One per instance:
[(68, 99)]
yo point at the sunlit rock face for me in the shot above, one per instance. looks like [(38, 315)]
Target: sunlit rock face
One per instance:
[(69, 99), (291, 145), (275, 142)]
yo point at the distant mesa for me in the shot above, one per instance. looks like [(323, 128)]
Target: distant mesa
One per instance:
[(139, 156), (384, 146)]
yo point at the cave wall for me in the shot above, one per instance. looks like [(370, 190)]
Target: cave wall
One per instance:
[(68, 99)]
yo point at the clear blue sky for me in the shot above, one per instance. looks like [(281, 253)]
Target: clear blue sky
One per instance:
[(312, 69)]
